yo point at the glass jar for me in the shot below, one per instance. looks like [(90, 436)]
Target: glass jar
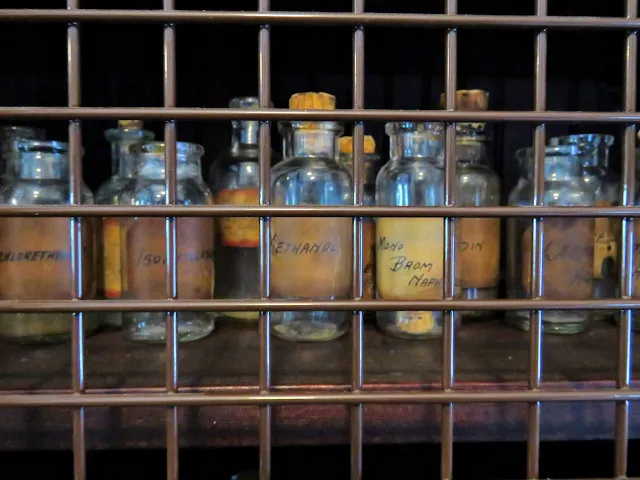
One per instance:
[(311, 258), (594, 151), (372, 165), (10, 156), (234, 179), (568, 242), (478, 238), (143, 246), (128, 133), (410, 251), (35, 252)]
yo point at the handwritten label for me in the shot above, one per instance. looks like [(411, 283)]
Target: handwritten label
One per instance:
[(241, 232), (479, 249), (35, 259), (568, 258), (606, 242), (111, 269), (369, 255), (311, 257), (144, 260), (409, 258)]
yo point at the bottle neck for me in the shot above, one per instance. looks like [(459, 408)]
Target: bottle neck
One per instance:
[(244, 135), (123, 163), (311, 142), (413, 145), (152, 167), (42, 166), (558, 168)]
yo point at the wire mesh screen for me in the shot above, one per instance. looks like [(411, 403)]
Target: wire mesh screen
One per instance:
[(355, 395)]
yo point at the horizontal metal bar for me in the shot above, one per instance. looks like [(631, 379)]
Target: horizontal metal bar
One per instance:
[(315, 305), (319, 18), (274, 114), (341, 398), (310, 211)]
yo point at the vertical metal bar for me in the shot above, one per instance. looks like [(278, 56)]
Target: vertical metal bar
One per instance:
[(537, 279), (357, 373), (623, 377), (169, 74), (75, 179), (448, 334), (264, 91)]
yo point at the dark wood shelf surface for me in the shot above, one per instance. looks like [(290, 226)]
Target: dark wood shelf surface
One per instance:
[(489, 356)]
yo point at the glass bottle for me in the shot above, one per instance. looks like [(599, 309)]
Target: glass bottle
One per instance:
[(143, 247), (372, 165), (128, 133), (10, 156), (410, 251), (35, 252), (234, 180), (311, 258), (478, 238), (594, 151), (568, 242)]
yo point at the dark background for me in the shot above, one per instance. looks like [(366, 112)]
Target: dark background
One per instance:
[(122, 66)]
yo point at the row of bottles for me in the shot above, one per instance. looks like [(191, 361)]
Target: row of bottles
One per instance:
[(311, 258)]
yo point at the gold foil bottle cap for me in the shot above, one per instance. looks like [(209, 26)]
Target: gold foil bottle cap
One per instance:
[(468, 100), (312, 101), (346, 144), (130, 124)]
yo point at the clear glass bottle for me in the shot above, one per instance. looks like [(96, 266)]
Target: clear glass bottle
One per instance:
[(9, 135), (478, 238), (410, 251), (311, 258), (35, 252), (234, 179), (128, 133), (594, 151), (568, 242), (372, 166), (143, 246)]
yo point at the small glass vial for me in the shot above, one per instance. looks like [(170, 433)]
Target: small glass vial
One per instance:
[(128, 133), (478, 238), (372, 165), (143, 246), (568, 243), (234, 180), (594, 151), (35, 252), (311, 258), (410, 251)]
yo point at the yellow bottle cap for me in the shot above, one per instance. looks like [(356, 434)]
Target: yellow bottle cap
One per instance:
[(468, 100), (346, 144), (130, 124), (312, 101)]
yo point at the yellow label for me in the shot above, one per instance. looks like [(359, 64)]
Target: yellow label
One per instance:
[(409, 258), (415, 323), (239, 231), (111, 257), (605, 244)]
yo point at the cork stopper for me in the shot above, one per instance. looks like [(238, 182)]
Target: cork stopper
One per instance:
[(346, 144), (130, 124), (468, 100), (312, 101)]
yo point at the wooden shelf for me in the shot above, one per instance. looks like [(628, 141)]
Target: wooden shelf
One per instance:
[(489, 355)]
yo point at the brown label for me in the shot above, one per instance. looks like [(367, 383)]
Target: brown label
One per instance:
[(35, 259), (239, 231), (479, 247), (369, 254), (144, 258), (311, 257), (606, 241), (568, 258)]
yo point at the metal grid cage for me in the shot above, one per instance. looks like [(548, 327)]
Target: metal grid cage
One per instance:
[(357, 396)]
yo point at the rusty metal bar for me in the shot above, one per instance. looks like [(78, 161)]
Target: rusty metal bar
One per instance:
[(271, 114), (298, 305), (537, 254), (321, 18), (264, 91), (623, 378), (357, 347), (448, 332), (75, 191), (71, 400), (308, 211)]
